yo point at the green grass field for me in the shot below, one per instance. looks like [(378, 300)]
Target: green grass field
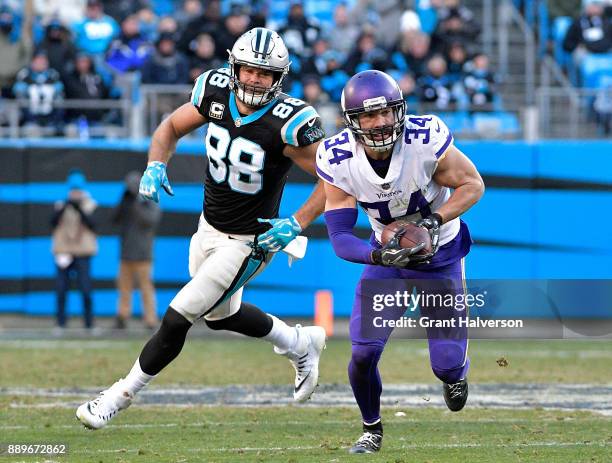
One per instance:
[(202, 433)]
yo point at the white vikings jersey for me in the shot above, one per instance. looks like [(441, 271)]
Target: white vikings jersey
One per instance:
[(408, 190)]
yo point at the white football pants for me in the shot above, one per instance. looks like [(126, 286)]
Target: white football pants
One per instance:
[(219, 266)]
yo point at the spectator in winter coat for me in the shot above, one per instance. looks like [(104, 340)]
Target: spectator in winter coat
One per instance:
[(166, 65), (138, 220), (74, 243)]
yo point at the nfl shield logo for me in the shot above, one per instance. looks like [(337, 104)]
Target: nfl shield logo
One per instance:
[(385, 186), (238, 122)]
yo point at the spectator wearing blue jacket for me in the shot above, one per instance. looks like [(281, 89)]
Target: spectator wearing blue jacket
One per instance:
[(131, 51), (94, 34)]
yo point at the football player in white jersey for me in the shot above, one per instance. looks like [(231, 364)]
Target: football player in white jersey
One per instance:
[(397, 166), (255, 134)]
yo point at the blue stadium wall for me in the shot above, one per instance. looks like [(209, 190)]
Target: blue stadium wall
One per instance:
[(545, 214)]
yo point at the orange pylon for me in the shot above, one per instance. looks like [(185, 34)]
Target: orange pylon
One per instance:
[(324, 311)]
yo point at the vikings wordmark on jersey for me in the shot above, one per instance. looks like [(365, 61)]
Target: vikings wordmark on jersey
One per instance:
[(408, 190)]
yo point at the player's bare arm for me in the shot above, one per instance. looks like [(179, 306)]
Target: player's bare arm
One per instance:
[(182, 121), (456, 171), (304, 157), (336, 198)]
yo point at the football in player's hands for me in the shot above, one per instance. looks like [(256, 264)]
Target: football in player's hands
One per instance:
[(411, 236)]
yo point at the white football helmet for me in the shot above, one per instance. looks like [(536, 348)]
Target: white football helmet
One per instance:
[(260, 48)]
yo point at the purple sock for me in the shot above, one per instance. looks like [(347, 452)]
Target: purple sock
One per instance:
[(365, 380)]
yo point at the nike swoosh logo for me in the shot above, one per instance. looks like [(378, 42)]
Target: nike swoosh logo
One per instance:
[(299, 386), (285, 234), (311, 122)]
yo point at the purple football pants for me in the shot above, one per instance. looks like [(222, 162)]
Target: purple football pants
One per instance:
[(447, 350)]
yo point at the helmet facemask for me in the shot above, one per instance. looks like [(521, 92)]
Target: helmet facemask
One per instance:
[(381, 138)]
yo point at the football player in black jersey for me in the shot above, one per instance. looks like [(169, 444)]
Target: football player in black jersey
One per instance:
[(255, 133)]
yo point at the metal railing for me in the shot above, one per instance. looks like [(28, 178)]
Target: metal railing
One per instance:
[(158, 101), (579, 113), (507, 17), (138, 118), (561, 111), (111, 120)]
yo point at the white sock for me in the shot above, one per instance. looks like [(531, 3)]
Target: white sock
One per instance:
[(283, 336), (136, 379)]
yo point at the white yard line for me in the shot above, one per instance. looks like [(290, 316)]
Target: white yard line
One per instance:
[(388, 448), (50, 344), (572, 397), (510, 351), (289, 423)]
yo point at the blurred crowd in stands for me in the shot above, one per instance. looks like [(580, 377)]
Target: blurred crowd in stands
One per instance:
[(583, 47), (83, 49), (53, 50)]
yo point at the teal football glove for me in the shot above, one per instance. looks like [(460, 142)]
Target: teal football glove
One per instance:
[(283, 231), (153, 179)]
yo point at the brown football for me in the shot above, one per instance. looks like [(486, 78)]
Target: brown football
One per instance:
[(413, 235)]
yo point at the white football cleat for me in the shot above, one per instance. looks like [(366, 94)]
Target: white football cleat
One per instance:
[(305, 359), (96, 413)]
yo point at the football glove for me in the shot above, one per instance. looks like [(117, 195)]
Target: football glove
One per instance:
[(283, 231), (153, 180), (432, 224), (392, 255)]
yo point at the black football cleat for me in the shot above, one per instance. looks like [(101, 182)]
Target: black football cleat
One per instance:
[(455, 395), (369, 442)]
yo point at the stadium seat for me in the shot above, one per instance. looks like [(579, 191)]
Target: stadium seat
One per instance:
[(594, 68), (458, 122), (496, 123), (559, 29)]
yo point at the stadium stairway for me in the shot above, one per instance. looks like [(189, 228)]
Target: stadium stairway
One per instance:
[(512, 86), (513, 82)]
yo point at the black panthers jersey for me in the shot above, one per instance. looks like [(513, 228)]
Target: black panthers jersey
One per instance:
[(247, 170)]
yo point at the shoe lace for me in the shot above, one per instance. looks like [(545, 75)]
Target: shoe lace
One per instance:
[(368, 440), (102, 408), (300, 364), (455, 390)]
